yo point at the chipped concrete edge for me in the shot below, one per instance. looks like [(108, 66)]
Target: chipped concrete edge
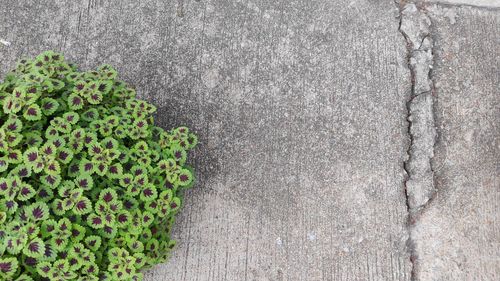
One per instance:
[(483, 4), (415, 27)]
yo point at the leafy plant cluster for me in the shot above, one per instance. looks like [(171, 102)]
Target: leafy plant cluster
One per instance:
[(89, 187)]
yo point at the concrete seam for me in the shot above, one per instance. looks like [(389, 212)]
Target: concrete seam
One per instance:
[(415, 26), (458, 5)]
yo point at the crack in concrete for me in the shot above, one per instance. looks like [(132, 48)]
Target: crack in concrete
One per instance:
[(415, 27), (480, 4), (419, 184)]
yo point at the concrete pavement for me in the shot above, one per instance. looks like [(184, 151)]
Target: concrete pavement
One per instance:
[(335, 144)]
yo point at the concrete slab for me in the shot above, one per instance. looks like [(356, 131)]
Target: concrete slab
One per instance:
[(457, 236), (300, 108)]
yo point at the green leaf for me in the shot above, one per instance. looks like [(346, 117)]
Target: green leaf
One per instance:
[(65, 155), (107, 72), (48, 149), (84, 181), (78, 233), (95, 98), (38, 211), (90, 139), (44, 194), (175, 204), (115, 171), (21, 170), (35, 248), (8, 205), (135, 245), (12, 125), (51, 132), (33, 139), (51, 181), (148, 193), (101, 169), (75, 102), (48, 227), (167, 165), (82, 206), (14, 156), (9, 105), (147, 219), (95, 221), (59, 243), (31, 156), (58, 207), (90, 115), (8, 266), (32, 113), (151, 206), (44, 268), (104, 86), (61, 125), (71, 117), (58, 142), (52, 168), (140, 260), (3, 164), (178, 154), (87, 167), (192, 140), (123, 219), (126, 180), (24, 277), (3, 218), (109, 143), (49, 106), (185, 177), (93, 242), (26, 192), (108, 195)]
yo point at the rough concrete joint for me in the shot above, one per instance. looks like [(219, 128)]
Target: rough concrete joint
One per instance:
[(415, 26), (489, 5)]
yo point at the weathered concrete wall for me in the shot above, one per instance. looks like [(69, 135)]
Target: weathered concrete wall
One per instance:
[(306, 112)]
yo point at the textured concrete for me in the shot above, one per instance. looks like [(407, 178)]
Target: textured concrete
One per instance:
[(309, 114), (300, 108), (478, 3), (457, 236), (415, 27)]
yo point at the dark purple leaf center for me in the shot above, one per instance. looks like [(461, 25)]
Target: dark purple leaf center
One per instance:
[(32, 111), (37, 212), (32, 156)]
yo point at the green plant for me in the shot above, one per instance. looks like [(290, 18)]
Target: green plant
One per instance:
[(89, 187)]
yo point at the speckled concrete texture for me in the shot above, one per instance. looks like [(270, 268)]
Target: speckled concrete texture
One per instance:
[(300, 111), (304, 114), (474, 3), (457, 236)]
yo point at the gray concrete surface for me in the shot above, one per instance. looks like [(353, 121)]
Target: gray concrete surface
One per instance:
[(457, 236), (304, 112), (476, 3), (416, 28)]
